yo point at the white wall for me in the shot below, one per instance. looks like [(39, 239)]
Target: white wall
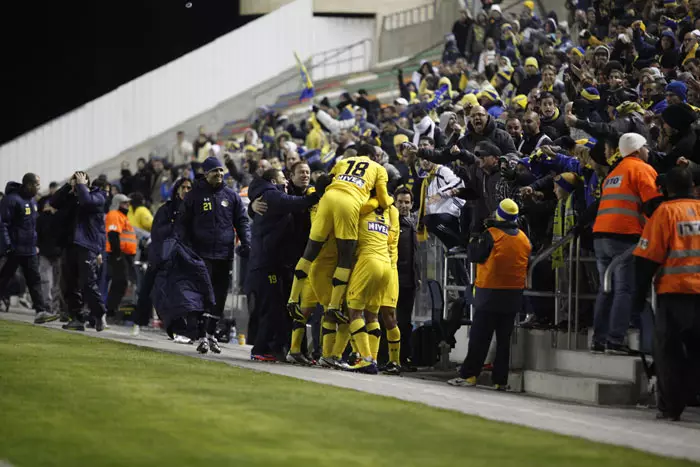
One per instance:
[(259, 7), (165, 97)]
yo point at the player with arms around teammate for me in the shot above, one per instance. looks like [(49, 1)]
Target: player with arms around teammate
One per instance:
[(339, 213)]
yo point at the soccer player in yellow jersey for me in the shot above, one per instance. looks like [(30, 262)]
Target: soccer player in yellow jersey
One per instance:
[(370, 278), (339, 213)]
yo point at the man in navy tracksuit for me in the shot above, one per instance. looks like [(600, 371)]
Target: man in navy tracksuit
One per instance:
[(212, 215), (19, 213), (272, 262), (82, 210)]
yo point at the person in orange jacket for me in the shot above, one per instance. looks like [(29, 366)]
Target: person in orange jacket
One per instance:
[(628, 196), (670, 248), (121, 249), (502, 253)]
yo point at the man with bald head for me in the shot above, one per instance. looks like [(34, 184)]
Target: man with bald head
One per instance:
[(482, 127), (533, 137)]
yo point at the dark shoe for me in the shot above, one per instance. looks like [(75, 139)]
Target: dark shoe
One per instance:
[(408, 367), (74, 325), (214, 345), (64, 317), (353, 359), (44, 317), (668, 417), (298, 359), (392, 368), (6, 305), (100, 324), (597, 348), (618, 349), (203, 346), (501, 387)]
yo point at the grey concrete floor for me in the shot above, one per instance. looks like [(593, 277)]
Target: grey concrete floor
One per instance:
[(631, 427)]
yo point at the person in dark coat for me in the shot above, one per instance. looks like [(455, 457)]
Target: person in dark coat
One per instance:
[(181, 286), (502, 254), (682, 138), (19, 213), (163, 228), (462, 30), (408, 266), (482, 127), (83, 209), (212, 215), (272, 263), (50, 258)]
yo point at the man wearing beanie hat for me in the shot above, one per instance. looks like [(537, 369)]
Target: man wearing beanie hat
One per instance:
[(676, 92), (212, 216), (502, 254), (680, 138), (532, 76), (628, 194)]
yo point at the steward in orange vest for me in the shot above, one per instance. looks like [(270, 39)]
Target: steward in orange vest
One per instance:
[(670, 248), (502, 253), (121, 249)]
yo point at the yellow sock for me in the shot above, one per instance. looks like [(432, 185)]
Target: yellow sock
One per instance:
[(301, 272), (374, 335), (393, 339), (298, 329), (342, 336), (358, 331), (327, 338), (341, 276)]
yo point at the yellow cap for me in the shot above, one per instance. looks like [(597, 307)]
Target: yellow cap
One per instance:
[(529, 4), (507, 211), (400, 139), (532, 61)]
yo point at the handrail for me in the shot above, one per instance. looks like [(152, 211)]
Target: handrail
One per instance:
[(545, 254), (338, 51), (416, 55), (607, 277)]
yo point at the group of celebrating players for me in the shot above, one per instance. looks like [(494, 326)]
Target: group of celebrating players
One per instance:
[(349, 268)]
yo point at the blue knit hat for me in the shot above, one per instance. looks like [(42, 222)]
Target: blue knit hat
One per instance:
[(211, 163), (679, 89)]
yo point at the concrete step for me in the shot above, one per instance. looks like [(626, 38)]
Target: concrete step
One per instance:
[(615, 367), (576, 387)]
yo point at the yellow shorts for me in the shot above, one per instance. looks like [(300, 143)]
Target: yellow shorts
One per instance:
[(320, 280), (338, 213), (391, 293), (369, 278)]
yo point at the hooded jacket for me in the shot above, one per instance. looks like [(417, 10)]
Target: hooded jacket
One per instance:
[(491, 133), (210, 220), (164, 223), (271, 232), (182, 284), (80, 219), (18, 211)]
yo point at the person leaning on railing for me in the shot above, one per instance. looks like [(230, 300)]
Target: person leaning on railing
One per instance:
[(670, 248)]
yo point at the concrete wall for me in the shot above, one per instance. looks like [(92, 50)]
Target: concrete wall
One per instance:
[(376, 7)]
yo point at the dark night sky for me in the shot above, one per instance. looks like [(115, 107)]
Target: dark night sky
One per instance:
[(58, 55)]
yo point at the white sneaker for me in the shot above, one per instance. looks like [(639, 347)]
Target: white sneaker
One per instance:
[(182, 339), (136, 330)]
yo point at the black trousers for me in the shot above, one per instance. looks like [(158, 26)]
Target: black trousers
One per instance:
[(30, 270), (485, 323), (81, 282), (404, 314), (219, 275), (677, 350), (272, 290), (120, 268), (144, 304), (446, 228)]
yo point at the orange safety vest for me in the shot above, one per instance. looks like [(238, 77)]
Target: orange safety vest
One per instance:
[(117, 221), (672, 239), (628, 186), (506, 266)]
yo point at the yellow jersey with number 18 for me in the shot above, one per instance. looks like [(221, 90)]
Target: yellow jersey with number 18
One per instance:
[(358, 176)]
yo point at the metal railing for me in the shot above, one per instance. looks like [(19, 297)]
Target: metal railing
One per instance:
[(410, 16), (607, 277)]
